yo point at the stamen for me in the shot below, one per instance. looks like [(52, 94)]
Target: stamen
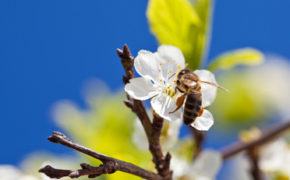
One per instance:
[(176, 74)]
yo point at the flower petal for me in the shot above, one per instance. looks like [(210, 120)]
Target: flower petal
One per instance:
[(208, 91), (169, 134), (171, 53), (241, 169), (206, 165), (163, 105), (180, 166), (274, 156), (173, 60), (204, 122), (141, 88), (147, 64)]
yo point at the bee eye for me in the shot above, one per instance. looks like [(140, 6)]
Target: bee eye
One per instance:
[(184, 71), (181, 73), (178, 82)]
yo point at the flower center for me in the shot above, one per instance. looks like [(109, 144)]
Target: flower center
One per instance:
[(169, 88), (170, 91)]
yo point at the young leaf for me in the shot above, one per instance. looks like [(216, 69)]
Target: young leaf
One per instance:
[(182, 24), (245, 56)]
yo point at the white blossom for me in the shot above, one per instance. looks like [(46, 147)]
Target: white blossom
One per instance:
[(275, 158), (205, 167), (158, 81)]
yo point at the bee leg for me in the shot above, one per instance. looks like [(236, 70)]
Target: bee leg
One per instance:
[(200, 112), (179, 103)]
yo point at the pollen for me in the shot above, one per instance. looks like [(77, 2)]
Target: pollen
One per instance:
[(179, 67), (160, 79), (161, 64)]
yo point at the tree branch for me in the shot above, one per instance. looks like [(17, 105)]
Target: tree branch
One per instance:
[(162, 163), (268, 135), (87, 170), (152, 130), (110, 165), (136, 106)]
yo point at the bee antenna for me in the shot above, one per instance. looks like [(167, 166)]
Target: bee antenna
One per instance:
[(213, 84)]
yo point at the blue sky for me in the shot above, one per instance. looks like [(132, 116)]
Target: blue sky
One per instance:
[(48, 49)]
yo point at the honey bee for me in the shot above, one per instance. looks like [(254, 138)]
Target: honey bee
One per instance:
[(189, 84)]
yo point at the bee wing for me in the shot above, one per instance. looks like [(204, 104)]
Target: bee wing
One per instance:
[(208, 91), (204, 122)]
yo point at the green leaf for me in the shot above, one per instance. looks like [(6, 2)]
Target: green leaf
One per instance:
[(182, 24), (228, 60)]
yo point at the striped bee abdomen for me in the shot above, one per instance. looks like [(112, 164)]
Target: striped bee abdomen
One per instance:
[(192, 107)]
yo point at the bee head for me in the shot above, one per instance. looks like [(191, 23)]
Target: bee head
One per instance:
[(182, 72)]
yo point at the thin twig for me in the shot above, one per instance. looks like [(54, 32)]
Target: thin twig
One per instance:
[(87, 170), (136, 106), (152, 130), (268, 135), (110, 164)]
